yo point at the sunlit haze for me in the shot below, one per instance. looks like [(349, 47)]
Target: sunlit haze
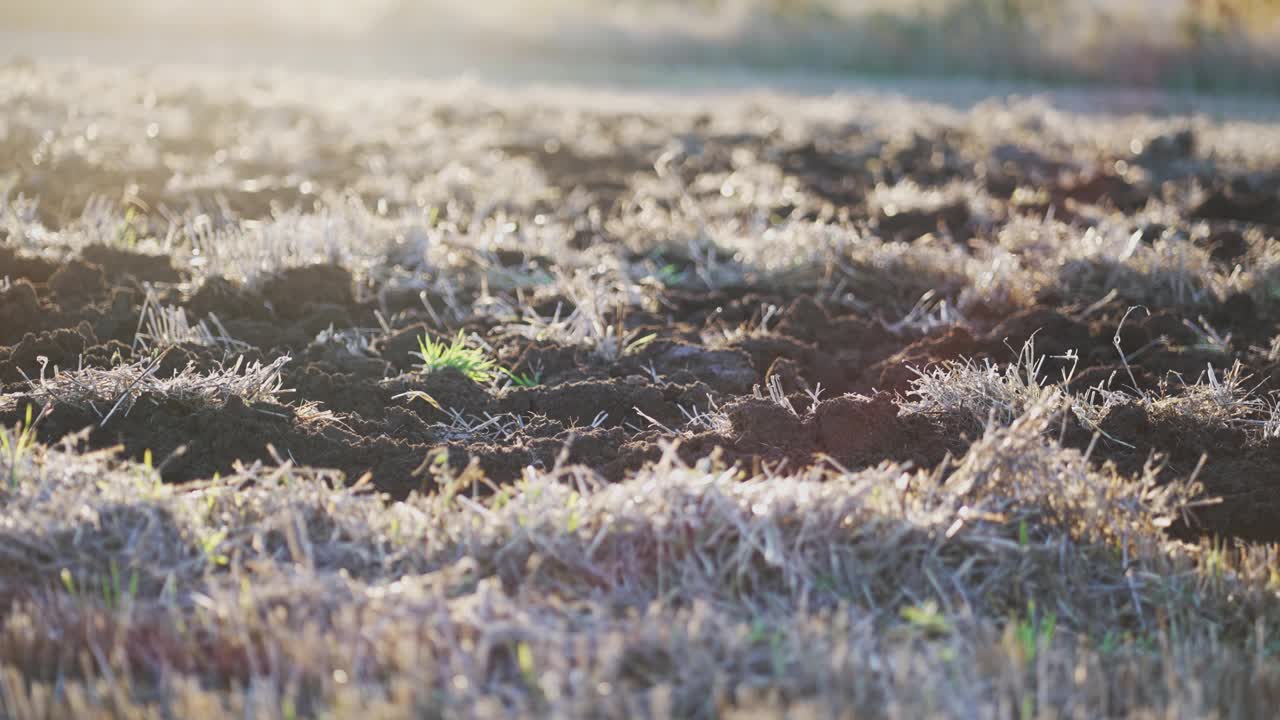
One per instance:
[(1175, 43)]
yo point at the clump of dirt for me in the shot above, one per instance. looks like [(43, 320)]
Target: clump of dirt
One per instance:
[(789, 376), (951, 220), (189, 443), (763, 426), (805, 319), (202, 358), (293, 292), (607, 403), (450, 390), (725, 371), (602, 448), (20, 312), (77, 282), (565, 167), (17, 266), (399, 347), (226, 299), (851, 430), (895, 373), (1227, 244), (764, 349), (1237, 474), (822, 349), (1243, 204), (553, 364), (1104, 188), (60, 348), (119, 264), (853, 426)]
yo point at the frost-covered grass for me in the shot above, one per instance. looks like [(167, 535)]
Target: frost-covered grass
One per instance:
[(1027, 583), (414, 204), (107, 392), (1019, 579)]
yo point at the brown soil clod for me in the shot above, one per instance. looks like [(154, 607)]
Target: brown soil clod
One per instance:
[(1232, 467), (20, 312), (15, 265), (853, 428), (908, 225), (895, 374), (1246, 206), (62, 348), (727, 371), (76, 282), (119, 264), (291, 291), (764, 426), (226, 299)]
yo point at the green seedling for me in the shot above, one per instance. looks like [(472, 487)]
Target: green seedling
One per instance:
[(457, 355), (68, 582), (927, 618), (670, 275), (575, 517), (15, 446), (129, 234), (525, 380), (528, 667), (1036, 631), (209, 547), (115, 594)]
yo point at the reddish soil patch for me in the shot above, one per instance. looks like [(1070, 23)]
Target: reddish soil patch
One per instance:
[(851, 431), (610, 416)]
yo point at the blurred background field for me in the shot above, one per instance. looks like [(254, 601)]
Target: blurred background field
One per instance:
[(1219, 46)]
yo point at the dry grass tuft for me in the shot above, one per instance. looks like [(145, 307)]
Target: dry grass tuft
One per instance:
[(1020, 579), (104, 393)]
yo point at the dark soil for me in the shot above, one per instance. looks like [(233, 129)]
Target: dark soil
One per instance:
[(122, 264), (363, 406), (1238, 468)]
